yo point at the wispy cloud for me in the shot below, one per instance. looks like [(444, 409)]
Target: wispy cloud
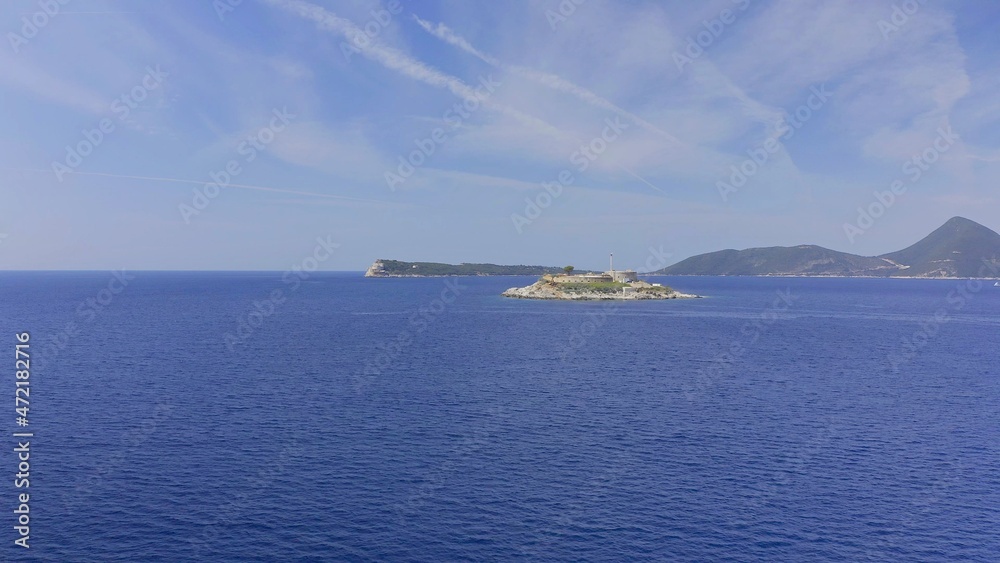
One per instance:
[(555, 82), (28, 77), (363, 116), (202, 183), (398, 61)]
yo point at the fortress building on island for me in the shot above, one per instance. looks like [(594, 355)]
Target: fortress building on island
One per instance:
[(612, 275), (612, 284)]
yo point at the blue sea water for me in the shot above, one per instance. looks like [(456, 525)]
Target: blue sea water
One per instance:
[(352, 419)]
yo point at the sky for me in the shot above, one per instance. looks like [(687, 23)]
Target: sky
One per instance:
[(228, 134)]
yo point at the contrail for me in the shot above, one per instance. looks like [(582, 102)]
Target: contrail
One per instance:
[(398, 61), (643, 180), (404, 64), (984, 158), (445, 34), (202, 183), (552, 81), (712, 79)]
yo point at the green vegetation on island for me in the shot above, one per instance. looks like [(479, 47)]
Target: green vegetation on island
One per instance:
[(398, 268), (608, 285), (612, 287), (600, 287)]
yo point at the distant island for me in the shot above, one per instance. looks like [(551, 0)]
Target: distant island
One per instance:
[(613, 284), (398, 269), (959, 249)]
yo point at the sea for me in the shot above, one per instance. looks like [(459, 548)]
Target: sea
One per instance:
[(258, 416)]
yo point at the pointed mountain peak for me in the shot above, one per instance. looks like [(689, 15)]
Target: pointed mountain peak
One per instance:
[(963, 228), (962, 221), (956, 249)]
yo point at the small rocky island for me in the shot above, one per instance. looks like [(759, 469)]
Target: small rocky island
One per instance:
[(608, 285)]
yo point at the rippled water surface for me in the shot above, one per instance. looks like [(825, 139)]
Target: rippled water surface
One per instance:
[(360, 419)]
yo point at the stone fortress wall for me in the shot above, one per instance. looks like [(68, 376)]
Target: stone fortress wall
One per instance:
[(609, 276)]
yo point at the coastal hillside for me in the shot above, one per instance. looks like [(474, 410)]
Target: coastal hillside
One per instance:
[(957, 249), (806, 260), (398, 269)]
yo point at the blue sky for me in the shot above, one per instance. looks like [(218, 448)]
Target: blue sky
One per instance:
[(646, 110)]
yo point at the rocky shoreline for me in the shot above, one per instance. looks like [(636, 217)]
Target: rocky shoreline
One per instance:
[(546, 289)]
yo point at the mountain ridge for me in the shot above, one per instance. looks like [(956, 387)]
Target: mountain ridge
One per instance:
[(961, 248)]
